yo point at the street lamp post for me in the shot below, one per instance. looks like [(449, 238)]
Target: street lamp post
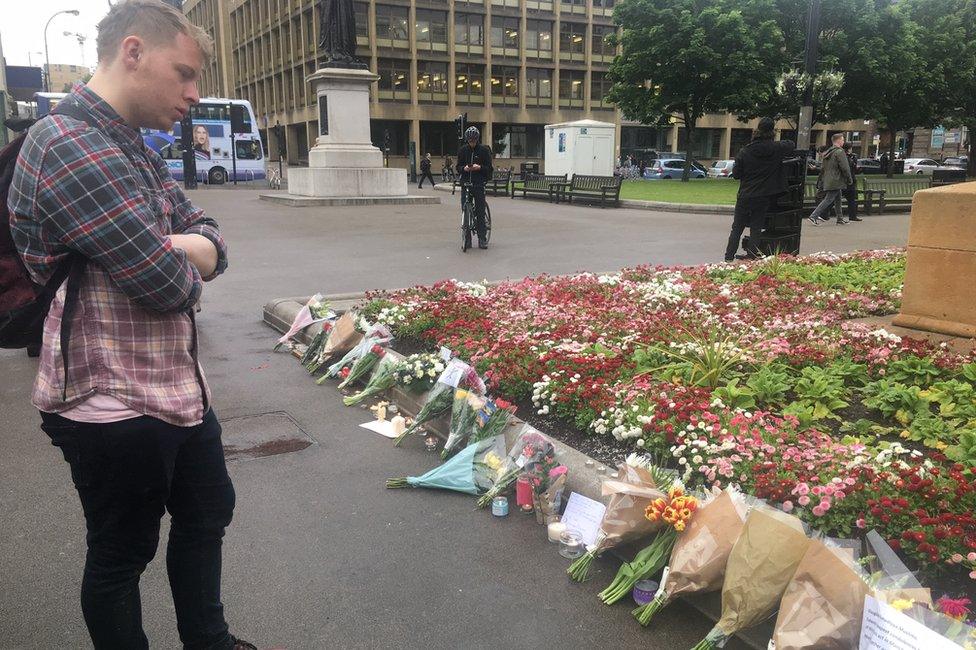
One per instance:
[(47, 58), (805, 122)]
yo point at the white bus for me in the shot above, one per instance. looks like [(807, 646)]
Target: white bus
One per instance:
[(211, 139)]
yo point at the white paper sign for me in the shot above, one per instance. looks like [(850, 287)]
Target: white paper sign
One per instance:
[(885, 628), (584, 515), (453, 373), (382, 427), (446, 354)]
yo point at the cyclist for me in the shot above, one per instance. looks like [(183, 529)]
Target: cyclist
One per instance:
[(474, 165)]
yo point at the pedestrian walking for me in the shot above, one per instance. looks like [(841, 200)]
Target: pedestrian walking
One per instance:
[(447, 171), (641, 167), (850, 192), (759, 169), (425, 171), (125, 399), (836, 177)]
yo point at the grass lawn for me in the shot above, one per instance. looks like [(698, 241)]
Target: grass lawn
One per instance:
[(709, 191), (717, 191)]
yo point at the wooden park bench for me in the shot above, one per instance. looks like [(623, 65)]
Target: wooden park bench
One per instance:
[(892, 191), (499, 182), (538, 185), (592, 188)]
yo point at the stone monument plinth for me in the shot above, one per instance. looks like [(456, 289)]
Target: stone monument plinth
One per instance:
[(940, 279), (344, 168)]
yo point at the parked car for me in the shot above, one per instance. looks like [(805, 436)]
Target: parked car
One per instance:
[(672, 168), (869, 166), (956, 161), (925, 166), (721, 169)]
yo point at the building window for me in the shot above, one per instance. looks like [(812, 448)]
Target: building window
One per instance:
[(469, 84), (517, 140), (469, 33), (392, 26), (393, 79), (574, 6), (431, 30), (505, 36), (603, 7), (398, 132), (432, 81), (601, 50), (504, 85), (707, 144), (538, 39), (599, 87), (571, 41), (438, 139), (571, 88), (362, 23), (538, 87)]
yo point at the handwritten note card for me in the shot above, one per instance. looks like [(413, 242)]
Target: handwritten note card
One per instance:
[(584, 515)]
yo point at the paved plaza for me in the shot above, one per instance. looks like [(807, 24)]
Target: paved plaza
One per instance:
[(320, 554)]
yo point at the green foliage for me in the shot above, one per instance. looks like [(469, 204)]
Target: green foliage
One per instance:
[(706, 360), (688, 58), (370, 310), (852, 374), (955, 398), (735, 396), (895, 399), (856, 275), (968, 372), (964, 451), (823, 392), (934, 431), (915, 371), (769, 385), (862, 428), (803, 413)]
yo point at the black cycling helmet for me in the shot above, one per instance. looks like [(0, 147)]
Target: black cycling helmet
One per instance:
[(472, 134)]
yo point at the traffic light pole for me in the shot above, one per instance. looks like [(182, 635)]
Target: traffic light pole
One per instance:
[(189, 158)]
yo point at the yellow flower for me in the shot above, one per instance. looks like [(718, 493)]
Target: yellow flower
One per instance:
[(493, 462), (901, 604), (460, 393), (679, 526), (941, 446), (905, 434)]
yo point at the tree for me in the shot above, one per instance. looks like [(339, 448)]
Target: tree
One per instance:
[(686, 58)]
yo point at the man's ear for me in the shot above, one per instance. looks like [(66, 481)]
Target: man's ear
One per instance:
[(132, 52)]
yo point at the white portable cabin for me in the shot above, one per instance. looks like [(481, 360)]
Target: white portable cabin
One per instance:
[(580, 147)]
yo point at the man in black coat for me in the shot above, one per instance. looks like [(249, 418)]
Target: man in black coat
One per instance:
[(425, 172), (850, 192), (759, 168), (474, 165)]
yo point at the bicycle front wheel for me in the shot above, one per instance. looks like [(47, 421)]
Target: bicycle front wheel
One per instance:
[(487, 223), (466, 217)]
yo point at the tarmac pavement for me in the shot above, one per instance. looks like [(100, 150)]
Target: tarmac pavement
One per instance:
[(320, 554)]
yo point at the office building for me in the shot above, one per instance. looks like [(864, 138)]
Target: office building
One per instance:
[(64, 75), (512, 66)]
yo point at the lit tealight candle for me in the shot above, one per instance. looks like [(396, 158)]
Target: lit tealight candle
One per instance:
[(556, 529)]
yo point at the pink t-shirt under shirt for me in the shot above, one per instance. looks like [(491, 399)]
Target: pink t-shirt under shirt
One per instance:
[(100, 409)]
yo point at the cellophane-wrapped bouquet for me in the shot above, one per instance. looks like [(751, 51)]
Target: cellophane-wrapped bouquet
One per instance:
[(700, 552), (374, 335), (418, 372), (316, 310), (381, 380), (471, 471), (760, 567), (464, 420), (338, 338), (634, 489), (440, 398), (530, 447)]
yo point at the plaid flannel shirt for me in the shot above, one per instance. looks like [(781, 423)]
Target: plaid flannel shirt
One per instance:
[(101, 193)]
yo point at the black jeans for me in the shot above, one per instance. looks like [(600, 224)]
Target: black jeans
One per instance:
[(850, 195), (127, 475), (748, 212), (478, 191), (424, 175)]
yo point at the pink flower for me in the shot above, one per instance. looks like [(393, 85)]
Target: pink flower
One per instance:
[(787, 506), (804, 500), (801, 489), (557, 471), (957, 608), (956, 558), (818, 511), (971, 557), (861, 523)]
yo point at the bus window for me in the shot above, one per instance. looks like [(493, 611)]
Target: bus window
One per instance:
[(248, 150)]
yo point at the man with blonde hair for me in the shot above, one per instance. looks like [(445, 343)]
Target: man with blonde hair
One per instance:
[(119, 387)]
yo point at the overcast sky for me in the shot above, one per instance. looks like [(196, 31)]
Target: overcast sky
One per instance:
[(22, 30)]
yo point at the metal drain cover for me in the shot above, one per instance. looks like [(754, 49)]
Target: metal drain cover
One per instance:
[(266, 434)]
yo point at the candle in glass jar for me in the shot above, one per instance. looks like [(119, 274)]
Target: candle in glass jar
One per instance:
[(556, 529), (523, 492)]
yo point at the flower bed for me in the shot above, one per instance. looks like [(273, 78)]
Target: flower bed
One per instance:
[(747, 374)]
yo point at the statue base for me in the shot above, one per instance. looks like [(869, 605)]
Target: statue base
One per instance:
[(344, 162)]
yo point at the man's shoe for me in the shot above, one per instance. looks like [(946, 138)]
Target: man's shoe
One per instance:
[(241, 644), (842, 222), (815, 222), (855, 219), (482, 244)]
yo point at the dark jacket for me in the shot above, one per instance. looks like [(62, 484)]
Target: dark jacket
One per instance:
[(852, 161), (759, 168), (836, 170), (480, 155), (424, 165)]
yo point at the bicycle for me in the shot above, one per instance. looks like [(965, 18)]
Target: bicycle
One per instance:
[(467, 216), (274, 179)]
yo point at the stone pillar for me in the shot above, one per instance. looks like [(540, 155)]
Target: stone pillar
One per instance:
[(674, 138), (941, 272), (725, 143)]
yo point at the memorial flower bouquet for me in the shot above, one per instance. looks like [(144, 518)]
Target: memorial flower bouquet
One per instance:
[(441, 398), (375, 335), (760, 567), (471, 471), (418, 372), (364, 364), (530, 447), (547, 490), (700, 553), (493, 419), (624, 519), (341, 337), (383, 379), (310, 357), (314, 311), (464, 419)]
